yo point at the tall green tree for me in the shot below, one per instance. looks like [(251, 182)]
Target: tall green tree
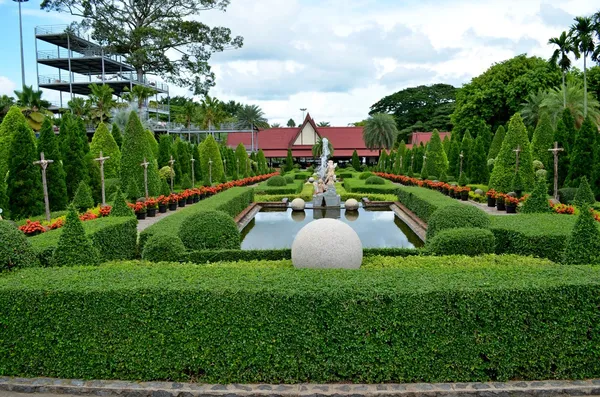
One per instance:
[(251, 116), (24, 178), (136, 148), (262, 162), (454, 159), (55, 174), (197, 163), (560, 56), (317, 149), (291, 123), (72, 154), (581, 156), (101, 99), (436, 163), (33, 107), (399, 163), (466, 148), (117, 135), (289, 161), (446, 144), (355, 160), (6, 102), (241, 159), (479, 171), (13, 119), (543, 140), (560, 136), (149, 33), (582, 32), (505, 165), (533, 107), (211, 161), (574, 94), (104, 142), (380, 132), (497, 142), (184, 158), (164, 150)]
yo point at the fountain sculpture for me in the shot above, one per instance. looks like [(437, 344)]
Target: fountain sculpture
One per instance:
[(325, 194)]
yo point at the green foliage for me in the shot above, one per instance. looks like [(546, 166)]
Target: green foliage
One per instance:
[(375, 180), (365, 175), (209, 151), (437, 161), (133, 191), (120, 207), (262, 163), (289, 161), (74, 248), (209, 230), (462, 241), (24, 183), (276, 180), (517, 183), (241, 158), (497, 142), (581, 157), (136, 148), (165, 189), (380, 131), (15, 250), (164, 151), (423, 202), (567, 195), (3, 198), (479, 169), (355, 160), (289, 179), (55, 174), (584, 197), (73, 153), (163, 248), (198, 163), (117, 135), (583, 244), (152, 142), (456, 216), (466, 148), (183, 159), (463, 180), (83, 199), (10, 124), (294, 187), (104, 142), (454, 158), (543, 140), (186, 182), (538, 201), (505, 165), (361, 186)]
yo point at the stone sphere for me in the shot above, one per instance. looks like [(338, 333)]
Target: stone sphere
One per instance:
[(311, 179), (479, 192), (297, 204), (327, 244), (351, 205), (298, 216), (511, 194), (351, 216)]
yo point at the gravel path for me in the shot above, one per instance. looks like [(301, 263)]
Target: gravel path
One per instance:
[(146, 223)]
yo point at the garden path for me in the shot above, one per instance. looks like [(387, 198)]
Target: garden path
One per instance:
[(485, 208), (146, 223)]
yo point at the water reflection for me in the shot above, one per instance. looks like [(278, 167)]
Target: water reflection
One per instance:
[(277, 228)]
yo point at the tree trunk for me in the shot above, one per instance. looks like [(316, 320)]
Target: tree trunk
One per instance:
[(584, 87), (564, 91)]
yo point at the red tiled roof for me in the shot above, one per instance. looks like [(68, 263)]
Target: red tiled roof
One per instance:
[(424, 137)]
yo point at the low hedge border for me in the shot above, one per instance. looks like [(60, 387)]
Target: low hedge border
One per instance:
[(115, 238), (232, 201), (360, 186), (423, 202), (416, 319), (290, 188)]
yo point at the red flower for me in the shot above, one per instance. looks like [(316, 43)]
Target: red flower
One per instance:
[(105, 210), (57, 224), (88, 216), (32, 228)]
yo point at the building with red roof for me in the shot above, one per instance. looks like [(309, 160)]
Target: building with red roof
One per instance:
[(275, 142)]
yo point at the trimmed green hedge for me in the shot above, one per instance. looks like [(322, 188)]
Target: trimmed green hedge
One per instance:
[(423, 202), (417, 319), (346, 175), (232, 201), (115, 238), (360, 186), (291, 188), (456, 216), (462, 241)]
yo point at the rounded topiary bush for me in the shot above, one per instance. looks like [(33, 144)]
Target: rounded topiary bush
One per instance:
[(209, 230), (163, 248), (456, 216), (365, 175), (276, 180), (375, 180), (567, 194), (15, 250), (289, 178), (462, 241)]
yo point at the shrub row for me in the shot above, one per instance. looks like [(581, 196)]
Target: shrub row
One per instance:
[(416, 319), (232, 201), (423, 202), (360, 186), (469, 241), (115, 238), (346, 175), (291, 188)]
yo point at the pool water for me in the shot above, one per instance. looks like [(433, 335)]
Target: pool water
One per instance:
[(377, 228)]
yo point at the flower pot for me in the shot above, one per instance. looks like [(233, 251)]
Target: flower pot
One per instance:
[(196, 199), (491, 202), (500, 206), (464, 196), (172, 206), (162, 208), (189, 200), (141, 215), (181, 203), (511, 209), (151, 212)]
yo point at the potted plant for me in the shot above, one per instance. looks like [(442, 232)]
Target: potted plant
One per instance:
[(511, 204), (151, 207), (139, 208), (181, 199), (491, 198), (163, 202), (500, 206), (464, 193), (189, 198), (195, 195), (173, 200)]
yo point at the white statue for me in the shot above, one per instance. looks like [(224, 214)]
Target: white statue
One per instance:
[(330, 175)]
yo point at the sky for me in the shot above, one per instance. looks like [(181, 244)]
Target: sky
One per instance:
[(337, 57)]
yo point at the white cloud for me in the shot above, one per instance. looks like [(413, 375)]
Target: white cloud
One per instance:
[(7, 86)]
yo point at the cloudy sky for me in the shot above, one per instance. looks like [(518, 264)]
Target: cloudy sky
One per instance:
[(338, 57)]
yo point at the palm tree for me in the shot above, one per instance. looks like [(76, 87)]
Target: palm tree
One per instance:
[(380, 131), (553, 103), (139, 93), (275, 125), (33, 107), (251, 116), (324, 124), (317, 149), (101, 101), (79, 107), (190, 113), (532, 108), (212, 112), (5, 103), (582, 31), (560, 56)]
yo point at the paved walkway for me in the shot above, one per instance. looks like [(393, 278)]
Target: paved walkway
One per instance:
[(146, 223), (484, 207)]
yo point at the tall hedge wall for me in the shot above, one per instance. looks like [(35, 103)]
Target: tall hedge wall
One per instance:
[(417, 319)]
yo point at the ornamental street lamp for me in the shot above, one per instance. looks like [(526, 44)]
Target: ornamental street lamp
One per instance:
[(303, 110), (21, 36)]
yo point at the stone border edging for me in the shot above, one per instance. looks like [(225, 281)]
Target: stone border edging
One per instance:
[(176, 389)]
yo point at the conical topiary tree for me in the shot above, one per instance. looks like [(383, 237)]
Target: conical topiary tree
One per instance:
[(355, 161), (184, 156), (454, 159), (537, 203), (152, 142), (437, 161), (135, 148), (72, 154), (466, 147), (241, 158), (164, 150), (81, 132), (583, 244), (584, 196), (446, 144), (83, 199), (120, 207), (55, 174), (505, 165), (209, 152), (289, 161), (262, 162), (543, 139), (197, 163), (382, 161), (479, 169), (74, 248), (117, 135), (104, 142), (10, 123), (581, 157), (497, 143), (25, 195), (400, 156)]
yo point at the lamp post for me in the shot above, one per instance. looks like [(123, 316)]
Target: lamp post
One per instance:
[(303, 110), (210, 172), (21, 36)]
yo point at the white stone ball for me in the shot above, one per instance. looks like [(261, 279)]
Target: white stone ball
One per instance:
[(298, 204), (351, 205), (327, 244), (311, 179), (479, 192)]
